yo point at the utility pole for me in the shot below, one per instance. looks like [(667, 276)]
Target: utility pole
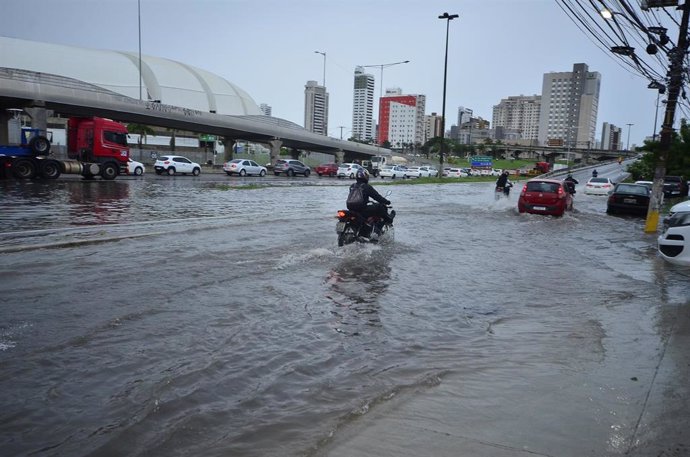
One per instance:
[(341, 127), (676, 56), (627, 148)]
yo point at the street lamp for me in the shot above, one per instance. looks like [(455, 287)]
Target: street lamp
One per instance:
[(139, 17), (382, 66), (324, 65), (628, 147), (448, 18)]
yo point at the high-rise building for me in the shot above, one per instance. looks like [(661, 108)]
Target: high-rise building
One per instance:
[(315, 108), (265, 109), (432, 126), (401, 118), (569, 105), (464, 115), (611, 137), (363, 106), (520, 114)]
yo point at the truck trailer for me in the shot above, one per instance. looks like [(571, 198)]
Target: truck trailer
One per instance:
[(95, 146)]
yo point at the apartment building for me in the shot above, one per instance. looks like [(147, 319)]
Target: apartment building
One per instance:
[(363, 106), (315, 108)]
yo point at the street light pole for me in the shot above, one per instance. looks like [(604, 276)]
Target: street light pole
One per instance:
[(324, 65), (382, 66), (627, 148), (139, 18), (448, 18)]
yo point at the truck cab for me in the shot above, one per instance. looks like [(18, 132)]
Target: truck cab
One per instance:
[(98, 140)]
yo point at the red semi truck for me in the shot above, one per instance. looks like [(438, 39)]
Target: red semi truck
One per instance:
[(95, 146)]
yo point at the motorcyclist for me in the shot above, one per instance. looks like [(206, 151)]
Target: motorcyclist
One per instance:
[(503, 183), (364, 206), (595, 173), (570, 183)]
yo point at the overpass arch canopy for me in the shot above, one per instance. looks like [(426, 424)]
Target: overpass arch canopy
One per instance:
[(165, 80)]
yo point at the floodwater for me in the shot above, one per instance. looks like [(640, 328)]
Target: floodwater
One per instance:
[(180, 317)]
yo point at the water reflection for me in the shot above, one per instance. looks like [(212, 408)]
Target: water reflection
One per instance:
[(101, 202), (356, 285)]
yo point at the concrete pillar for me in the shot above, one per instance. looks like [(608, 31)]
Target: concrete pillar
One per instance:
[(339, 156), (274, 146), (229, 145), (39, 118)]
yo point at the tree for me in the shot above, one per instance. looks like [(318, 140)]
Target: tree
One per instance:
[(678, 163), (142, 130)]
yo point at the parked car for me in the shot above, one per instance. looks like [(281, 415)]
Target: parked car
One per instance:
[(599, 186), (176, 164), (674, 242), (135, 168), (675, 186), (291, 167), (392, 171), (457, 173), (545, 196), (646, 183), (412, 172), (244, 167), (628, 198), (433, 172), (328, 169), (349, 170), (682, 207)]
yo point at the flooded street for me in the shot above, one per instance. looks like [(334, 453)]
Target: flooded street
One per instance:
[(180, 317)]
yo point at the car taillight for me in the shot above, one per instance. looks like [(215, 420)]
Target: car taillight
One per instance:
[(607, 185), (561, 194), (524, 189), (341, 213), (166, 162)]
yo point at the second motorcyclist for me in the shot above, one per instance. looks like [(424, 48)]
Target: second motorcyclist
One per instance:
[(503, 183), (358, 199)]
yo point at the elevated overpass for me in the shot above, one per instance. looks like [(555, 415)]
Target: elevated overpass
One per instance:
[(39, 92)]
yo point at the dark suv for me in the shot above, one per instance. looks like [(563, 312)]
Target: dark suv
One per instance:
[(290, 167), (675, 186)]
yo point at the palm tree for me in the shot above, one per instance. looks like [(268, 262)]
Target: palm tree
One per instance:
[(142, 130)]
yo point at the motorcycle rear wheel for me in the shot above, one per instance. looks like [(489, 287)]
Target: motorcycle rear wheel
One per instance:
[(347, 236)]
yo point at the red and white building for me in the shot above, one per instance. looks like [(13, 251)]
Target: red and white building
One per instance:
[(401, 118)]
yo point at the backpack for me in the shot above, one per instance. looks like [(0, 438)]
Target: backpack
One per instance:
[(356, 199)]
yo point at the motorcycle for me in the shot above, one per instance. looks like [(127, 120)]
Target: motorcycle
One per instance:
[(353, 227), (505, 190)]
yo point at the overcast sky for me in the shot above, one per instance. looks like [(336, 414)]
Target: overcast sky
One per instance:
[(497, 48)]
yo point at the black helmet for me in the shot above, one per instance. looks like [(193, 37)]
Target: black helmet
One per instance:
[(362, 175)]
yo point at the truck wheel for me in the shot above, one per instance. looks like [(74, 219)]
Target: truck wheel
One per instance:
[(39, 145), (171, 171), (24, 169), (109, 171), (50, 169)]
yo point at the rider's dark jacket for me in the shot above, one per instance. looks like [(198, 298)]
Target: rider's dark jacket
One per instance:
[(369, 192)]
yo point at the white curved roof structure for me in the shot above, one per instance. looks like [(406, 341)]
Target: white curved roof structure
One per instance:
[(165, 80)]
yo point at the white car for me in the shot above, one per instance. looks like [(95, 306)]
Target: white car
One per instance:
[(244, 167), (412, 172), (432, 172), (599, 186), (135, 168), (176, 164), (348, 170), (457, 173), (674, 243), (392, 171)]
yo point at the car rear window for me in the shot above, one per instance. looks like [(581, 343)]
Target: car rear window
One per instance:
[(541, 186), (599, 180), (633, 189)]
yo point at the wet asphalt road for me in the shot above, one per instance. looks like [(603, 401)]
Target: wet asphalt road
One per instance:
[(185, 316)]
